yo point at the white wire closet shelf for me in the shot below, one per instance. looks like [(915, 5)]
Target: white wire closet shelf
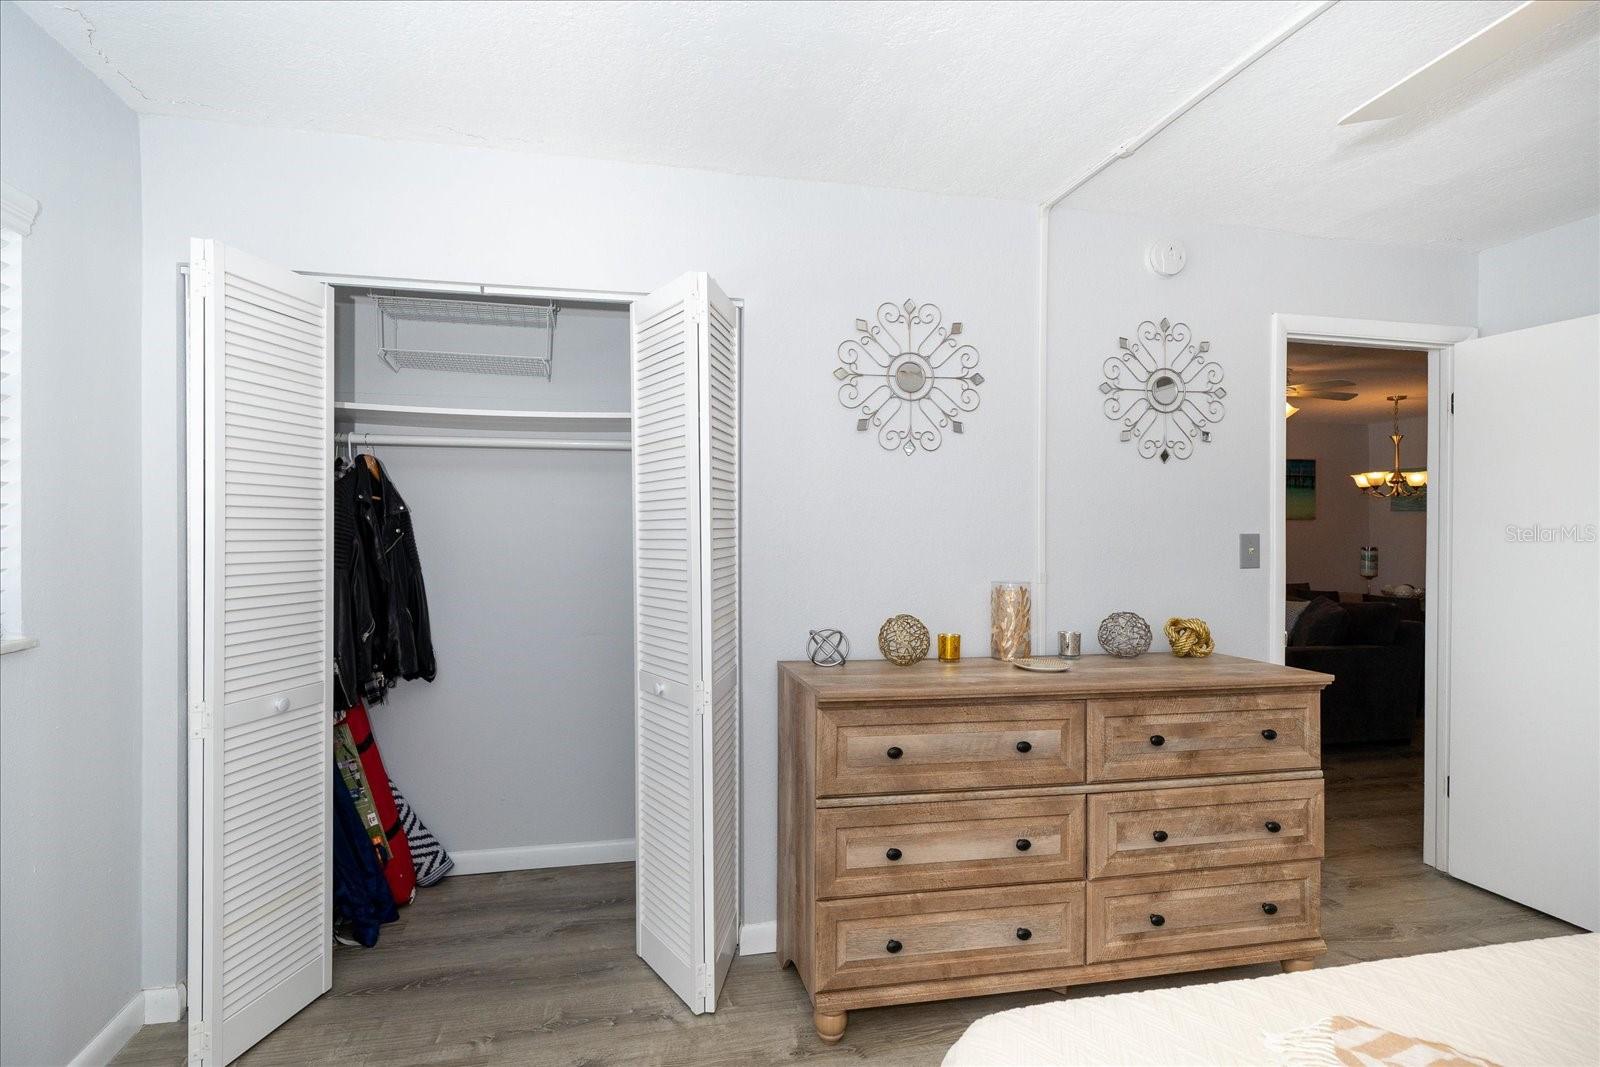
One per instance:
[(394, 310)]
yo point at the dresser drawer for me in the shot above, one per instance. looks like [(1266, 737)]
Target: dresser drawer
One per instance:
[(1175, 737), (899, 848), (1132, 918), (920, 937), (1156, 830), (876, 750)]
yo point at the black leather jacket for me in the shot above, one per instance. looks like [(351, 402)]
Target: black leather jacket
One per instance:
[(381, 631)]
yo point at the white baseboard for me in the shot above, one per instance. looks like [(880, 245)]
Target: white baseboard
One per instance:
[(165, 1004), (534, 857), (757, 938), (108, 1042)]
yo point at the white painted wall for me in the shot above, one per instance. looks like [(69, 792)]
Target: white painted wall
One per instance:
[(1325, 551), (1134, 534), (837, 532), (1548, 277), (69, 709), (525, 738)]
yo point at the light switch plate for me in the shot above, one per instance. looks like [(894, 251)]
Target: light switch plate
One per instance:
[(1249, 552)]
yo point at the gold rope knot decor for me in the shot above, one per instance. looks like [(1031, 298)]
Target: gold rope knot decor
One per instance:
[(1190, 637), (903, 640)]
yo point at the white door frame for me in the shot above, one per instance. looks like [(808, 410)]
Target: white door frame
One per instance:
[(1438, 342)]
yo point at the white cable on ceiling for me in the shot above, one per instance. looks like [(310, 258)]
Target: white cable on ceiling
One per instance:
[(1237, 67), (1123, 151)]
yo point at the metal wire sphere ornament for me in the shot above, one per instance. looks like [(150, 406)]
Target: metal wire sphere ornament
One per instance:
[(903, 640), (1124, 634), (828, 648)]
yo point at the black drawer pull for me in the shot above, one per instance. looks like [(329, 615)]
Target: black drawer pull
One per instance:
[(1023, 933), (1023, 844), (1157, 740), (1270, 735), (1270, 908), (892, 854), (1158, 920), (894, 752), (893, 946), (1160, 836), (1273, 826), (1024, 746)]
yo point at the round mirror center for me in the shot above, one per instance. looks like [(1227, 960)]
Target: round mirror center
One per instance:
[(1164, 390), (910, 377)]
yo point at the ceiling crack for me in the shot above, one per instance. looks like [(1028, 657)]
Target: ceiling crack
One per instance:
[(464, 133), (89, 32), (88, 36)]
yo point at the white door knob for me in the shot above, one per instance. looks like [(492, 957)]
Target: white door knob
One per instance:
[(280, 705), (661, 689)]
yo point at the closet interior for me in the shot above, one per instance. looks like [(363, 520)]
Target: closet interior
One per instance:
[(510, 608), (504, 424)]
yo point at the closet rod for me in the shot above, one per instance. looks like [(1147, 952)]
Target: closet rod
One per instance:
[(540, 443)]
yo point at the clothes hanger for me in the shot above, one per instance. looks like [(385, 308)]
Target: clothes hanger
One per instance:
[(374, 468)]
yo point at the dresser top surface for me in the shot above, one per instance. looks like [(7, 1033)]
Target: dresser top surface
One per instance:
[(877, 679)]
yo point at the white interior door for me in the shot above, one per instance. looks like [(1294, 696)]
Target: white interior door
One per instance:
[(685, 472), (260, 583), (1524, 690)]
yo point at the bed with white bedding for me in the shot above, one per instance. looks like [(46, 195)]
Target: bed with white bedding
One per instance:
[(1529, 1002)]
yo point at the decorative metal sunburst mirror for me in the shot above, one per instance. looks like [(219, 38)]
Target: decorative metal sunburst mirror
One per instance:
[(1162, 390), (908, 376)]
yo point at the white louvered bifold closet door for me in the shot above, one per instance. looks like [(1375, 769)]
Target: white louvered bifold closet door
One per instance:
[(687, 739), (260, 685), (719, 488)]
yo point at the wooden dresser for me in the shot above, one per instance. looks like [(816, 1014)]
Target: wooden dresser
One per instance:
[(948, 830)]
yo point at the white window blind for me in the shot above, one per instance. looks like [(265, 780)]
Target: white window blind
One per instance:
[(10, 434)]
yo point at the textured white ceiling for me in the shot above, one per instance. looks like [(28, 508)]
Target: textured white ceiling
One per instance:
[(1377, 372), (1513, 150), (991, 99)]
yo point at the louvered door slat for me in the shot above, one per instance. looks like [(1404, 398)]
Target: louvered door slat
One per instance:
[(261, 889)]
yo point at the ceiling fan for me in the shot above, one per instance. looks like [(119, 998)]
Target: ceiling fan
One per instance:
[(1505, 34), (1328, 389)]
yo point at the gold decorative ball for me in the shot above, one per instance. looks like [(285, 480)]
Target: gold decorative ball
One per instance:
[(903, 640), (1190, 637)]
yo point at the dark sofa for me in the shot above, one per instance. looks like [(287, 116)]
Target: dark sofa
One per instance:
[(1303, 591), (1376, 659)]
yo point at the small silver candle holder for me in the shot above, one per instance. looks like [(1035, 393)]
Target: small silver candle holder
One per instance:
[(1070, 642)]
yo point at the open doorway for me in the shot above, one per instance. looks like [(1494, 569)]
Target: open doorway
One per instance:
[(1382, 860), (1355, 566), (1433, 343)]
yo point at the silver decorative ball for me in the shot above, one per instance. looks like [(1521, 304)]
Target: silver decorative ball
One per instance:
[(1124, 634), (828, 648)]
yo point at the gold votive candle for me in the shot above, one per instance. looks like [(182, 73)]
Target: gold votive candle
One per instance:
[(949, 647), (1010, 620)]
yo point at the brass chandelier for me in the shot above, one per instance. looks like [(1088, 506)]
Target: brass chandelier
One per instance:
[(1398, 481)]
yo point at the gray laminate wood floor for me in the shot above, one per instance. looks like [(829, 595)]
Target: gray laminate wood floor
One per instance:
[(537, 967)]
